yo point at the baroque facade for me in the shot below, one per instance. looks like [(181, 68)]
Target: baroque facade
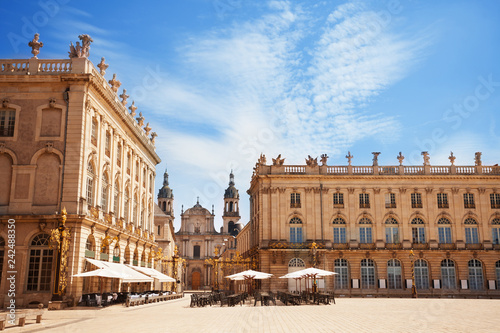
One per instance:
[(373, 224), (200, 244), (67, 140)]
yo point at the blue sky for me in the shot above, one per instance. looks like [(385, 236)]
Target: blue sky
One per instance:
[(224, 80)]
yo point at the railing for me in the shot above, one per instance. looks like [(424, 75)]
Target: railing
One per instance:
[(340, 246), (447, 246), (466, 170), (336, 170), (440, 170), (420, 246), (414, 170), (477, 246), (14, 66), (392, 170), (54, 66), (295, 169), (393, 246), (362, 170), (366, 246)]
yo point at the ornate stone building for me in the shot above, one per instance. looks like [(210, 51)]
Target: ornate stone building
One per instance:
[(67, 140), (363, 222), (197, 238)]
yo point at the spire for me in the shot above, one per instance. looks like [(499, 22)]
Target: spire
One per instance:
[(165, 178), (231, 191), (231, 178)]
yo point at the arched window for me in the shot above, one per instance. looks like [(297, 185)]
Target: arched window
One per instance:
[(448, 276), (296, 262), (394, 280), (444, 230), (495, 231), (90, 247), (230, 206), (295, 230), (90, 184), (126, 206), (116, 253), (471, 232), (365, 231), (475, 274), (342, 278), (126, 259), (93, 132), (135, 260), (367, 274), (104, 192), (143, 258), (196, 252), (116, 199), (421, 274), (418, 231), (391, 231), (40, 264), (339, 231)]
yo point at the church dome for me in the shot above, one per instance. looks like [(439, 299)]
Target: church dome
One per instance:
[(231, 191), (197, 210)]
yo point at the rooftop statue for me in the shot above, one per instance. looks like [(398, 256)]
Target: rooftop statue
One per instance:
[(427, 158), (115, 84), (477, 159), (140, 119), (349, 157), (102, 66), (153, 137), (375, 158), (312, 162), (452, 158), (80, 51), (324, 159), (35, 46), (124, 97), (147, 129), (400, 158), (132, 108), (278, 161)]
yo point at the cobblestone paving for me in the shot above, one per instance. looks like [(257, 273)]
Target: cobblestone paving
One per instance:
[(348, 315)]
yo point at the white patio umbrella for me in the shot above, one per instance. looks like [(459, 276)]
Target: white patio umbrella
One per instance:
[(249, 275), (101, 272), (310, 272), (295, 276)]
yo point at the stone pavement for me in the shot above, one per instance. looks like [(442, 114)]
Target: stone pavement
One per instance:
[(348, 315)]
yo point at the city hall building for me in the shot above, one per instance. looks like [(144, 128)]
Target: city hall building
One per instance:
[(70, 140), (373, 224)]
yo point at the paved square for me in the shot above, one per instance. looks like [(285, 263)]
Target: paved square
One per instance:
[(348, 315)]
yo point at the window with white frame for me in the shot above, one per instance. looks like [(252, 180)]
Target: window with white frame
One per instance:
[(471, 232), (442, 200), (104, 192), (448, 276), (394, 279), (365, 231), (295, 230), (126, 206), (90, 184), (421, 271), (416, 200), (339, 236), (342, 277), (93, 132), (390, 200), (391, 231), (475, 274), (116, 199), (107, 144), (367, 274), (469, 200), (119, 154), (444, 231), (418, 231)]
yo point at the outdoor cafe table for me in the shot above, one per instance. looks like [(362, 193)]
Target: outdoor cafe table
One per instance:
[(323, 298), (294, 298), (233, 299)]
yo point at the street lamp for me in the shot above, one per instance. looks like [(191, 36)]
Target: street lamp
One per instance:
[(214, 262), (413, 287)]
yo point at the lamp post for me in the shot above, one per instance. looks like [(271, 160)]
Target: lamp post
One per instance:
[(60, 238), (413, 287), (214, 262)]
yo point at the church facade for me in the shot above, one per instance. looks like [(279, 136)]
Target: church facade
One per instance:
[(374, 225), (200, 244)]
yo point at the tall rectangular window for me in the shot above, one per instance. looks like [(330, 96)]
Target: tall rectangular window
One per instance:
[(119, 155), (342, 276), (471, 235), (294, 200), (93, 132), (364, 200), (7, 123), (416, 200), (469, 200), (339, 235), (390, 200), (338, 200), (295, 234), (495, 201), (107, 144), (418, 235), (365, 235), (444, 234), (442, 199), (391, 235), (40, 269), (495, 236)]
